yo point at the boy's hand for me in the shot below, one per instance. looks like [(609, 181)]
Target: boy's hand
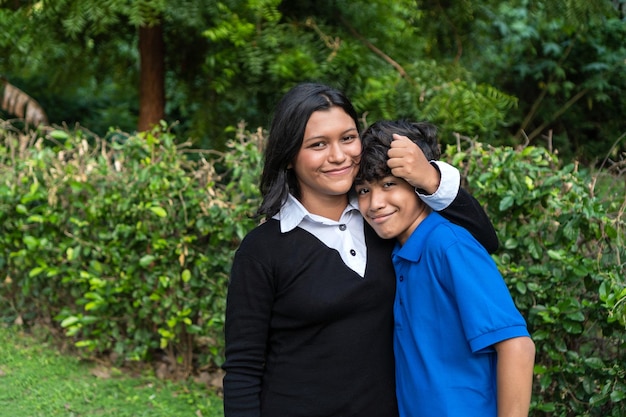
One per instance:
[(407, 161)]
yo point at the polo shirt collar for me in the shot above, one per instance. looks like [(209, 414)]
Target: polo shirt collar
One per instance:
[(292, 213), (413, 247)]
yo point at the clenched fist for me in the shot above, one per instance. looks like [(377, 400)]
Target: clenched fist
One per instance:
[(407, 161)]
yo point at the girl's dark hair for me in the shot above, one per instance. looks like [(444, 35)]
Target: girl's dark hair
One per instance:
[(376, 140), (285, 139)]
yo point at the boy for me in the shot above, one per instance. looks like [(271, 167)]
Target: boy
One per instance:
[(461, 346)]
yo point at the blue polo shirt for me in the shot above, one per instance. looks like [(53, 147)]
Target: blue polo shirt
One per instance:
[(451, 306)]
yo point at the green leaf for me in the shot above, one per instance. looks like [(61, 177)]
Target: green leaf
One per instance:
[(610, 231), (86, 344), (547, 407), (617, 396), (572, 328), (597, 399), (577, 316), (35, 271), (186, 275), (602, 291), (511, 243), (594, 363), (159, 211), (146, 260), (556, 255), (30, 242), (545, 381), (506, 203), (70, 321), (59, 135)]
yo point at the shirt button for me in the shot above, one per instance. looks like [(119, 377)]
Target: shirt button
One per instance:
[(342, 227), (352, 252), (401, 278)]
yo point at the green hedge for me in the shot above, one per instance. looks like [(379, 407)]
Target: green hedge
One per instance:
[(125, 245), (563, 257)]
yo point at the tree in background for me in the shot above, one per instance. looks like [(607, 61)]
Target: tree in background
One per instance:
[(373, 51), (565, 60), (477, 69), (231, 60), (85, 31)]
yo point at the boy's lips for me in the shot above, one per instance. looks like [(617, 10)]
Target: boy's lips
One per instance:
[(380, 218)]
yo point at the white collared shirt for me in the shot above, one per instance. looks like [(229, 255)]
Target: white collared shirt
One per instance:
[(346, 236)]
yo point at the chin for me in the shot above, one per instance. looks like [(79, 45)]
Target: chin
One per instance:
[(384, 235), (341, 190)]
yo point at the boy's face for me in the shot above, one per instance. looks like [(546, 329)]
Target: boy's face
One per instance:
[(391, 206)]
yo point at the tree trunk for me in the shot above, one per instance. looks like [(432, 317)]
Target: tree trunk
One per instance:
[(152, 72)]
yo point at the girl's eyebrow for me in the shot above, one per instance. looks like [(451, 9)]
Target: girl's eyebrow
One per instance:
[(351, 129)]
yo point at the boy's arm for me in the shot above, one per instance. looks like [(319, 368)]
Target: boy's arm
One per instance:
[(438, 185), (516, 358)]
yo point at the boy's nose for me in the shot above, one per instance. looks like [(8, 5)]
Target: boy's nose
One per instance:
[(377, 199)]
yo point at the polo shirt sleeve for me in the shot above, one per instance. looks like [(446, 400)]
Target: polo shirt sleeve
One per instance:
[(487, 311)]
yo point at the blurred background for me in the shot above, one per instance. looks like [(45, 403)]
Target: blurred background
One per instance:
[(550, 73)]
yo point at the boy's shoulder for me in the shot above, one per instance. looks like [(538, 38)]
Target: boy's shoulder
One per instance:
[(446, 233)]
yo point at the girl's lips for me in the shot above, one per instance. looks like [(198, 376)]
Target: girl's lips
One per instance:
[(339, 171)]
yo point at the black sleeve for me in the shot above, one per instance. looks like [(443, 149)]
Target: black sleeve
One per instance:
[(467, 212), (246, 329)]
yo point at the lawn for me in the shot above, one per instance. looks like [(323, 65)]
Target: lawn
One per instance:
[(36, 380)]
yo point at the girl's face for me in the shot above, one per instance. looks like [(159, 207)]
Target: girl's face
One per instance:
[(328, 159)]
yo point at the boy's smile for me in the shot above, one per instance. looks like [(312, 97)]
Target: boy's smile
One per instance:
[(391, 206)]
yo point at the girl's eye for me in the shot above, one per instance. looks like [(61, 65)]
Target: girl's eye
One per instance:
[(317, 145), (349, 138)]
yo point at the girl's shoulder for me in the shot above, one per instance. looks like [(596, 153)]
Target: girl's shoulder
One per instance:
[(265, 233)]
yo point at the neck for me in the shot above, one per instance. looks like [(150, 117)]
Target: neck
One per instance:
[(331, 207)]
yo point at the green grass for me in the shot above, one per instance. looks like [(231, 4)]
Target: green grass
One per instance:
[(38, 381)]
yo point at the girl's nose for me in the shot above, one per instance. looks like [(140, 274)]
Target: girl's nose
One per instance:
[(336, 153)]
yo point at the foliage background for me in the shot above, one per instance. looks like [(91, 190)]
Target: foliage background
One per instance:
[(124, 248), (121, 241), (545, 72)]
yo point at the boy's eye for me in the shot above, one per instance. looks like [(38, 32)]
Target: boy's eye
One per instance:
[(361, 190), (388, 184)]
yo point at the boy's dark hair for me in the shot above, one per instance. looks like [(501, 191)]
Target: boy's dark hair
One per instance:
[(377, 140)]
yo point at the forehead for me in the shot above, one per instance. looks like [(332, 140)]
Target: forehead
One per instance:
[(378, 181), (329, 122)]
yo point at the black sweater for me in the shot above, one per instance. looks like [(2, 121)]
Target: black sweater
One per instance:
[(305, 334)]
